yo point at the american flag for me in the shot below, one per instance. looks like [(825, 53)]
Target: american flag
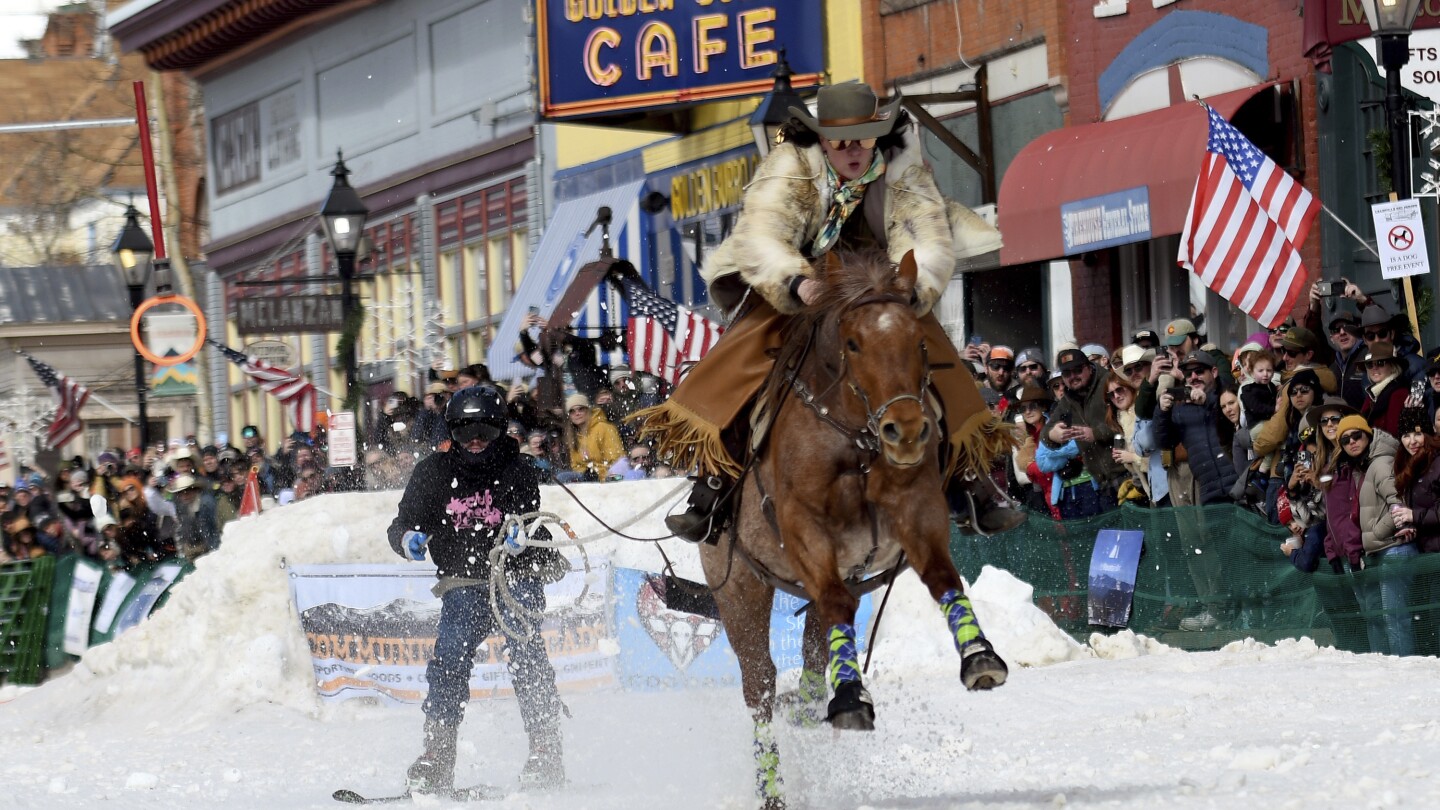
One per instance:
[(664, 338), (1247, 221), (294, 392), (70, 397)]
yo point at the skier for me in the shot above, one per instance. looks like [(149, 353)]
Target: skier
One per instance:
[(453, 507)]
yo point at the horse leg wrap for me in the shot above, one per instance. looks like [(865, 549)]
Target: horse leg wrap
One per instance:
[(980, 666), (801, 707), (851, 708), (767, 767), (844, 661)]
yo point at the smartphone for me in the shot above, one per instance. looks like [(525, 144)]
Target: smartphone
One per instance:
[(534, 310), (1118, 442), (1065, 422), (976, 340), (1180, 393), (1332, 289)]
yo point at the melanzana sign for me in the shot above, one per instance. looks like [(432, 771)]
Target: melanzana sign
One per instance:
[(603, 56)]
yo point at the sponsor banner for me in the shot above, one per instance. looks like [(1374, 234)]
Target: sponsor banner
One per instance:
[(139, 603), (371, 631), (1113, 564), (605, 56), (666, 649), (80, 608)]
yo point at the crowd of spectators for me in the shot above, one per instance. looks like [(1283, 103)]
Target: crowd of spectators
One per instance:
[(1333, 439)]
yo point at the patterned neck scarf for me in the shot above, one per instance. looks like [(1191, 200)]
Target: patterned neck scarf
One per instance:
[(843, 200)]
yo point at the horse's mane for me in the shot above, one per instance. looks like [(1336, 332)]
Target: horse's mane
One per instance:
[(853, 274)]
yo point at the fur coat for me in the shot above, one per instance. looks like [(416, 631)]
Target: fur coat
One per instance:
[(785, 207)]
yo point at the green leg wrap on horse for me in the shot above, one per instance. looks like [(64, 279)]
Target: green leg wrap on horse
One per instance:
[(844, 661), (767, 764), (960, 616)]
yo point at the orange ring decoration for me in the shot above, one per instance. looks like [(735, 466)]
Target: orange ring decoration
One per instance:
[(150, 303)]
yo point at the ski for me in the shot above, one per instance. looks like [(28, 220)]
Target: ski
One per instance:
[(475, 793)]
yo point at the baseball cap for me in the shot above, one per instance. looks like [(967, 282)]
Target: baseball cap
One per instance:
[(1069, 359), (1143, 335), (1030, 354), (1198, 357), (249, 432), (1177, 330), (1299, 338), (1001, 353), (1095, 350)]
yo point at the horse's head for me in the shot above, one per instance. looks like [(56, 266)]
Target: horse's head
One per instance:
[(882, 353)]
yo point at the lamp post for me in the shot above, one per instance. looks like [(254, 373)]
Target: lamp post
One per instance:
[(343, 217), (1391, 21), (774, 110), (133, 252)]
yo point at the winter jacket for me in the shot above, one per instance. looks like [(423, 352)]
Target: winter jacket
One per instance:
[(1382, 408), (1342, 515), (1423, 498), (598, 446), (1377, 495), (461, 503), (785, 207), (1257, 402), (1050, 461), (1196, 427), (1087, 408), (1276, 435), (1144, 444)]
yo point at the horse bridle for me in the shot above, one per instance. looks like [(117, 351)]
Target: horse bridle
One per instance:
[(868, 437)]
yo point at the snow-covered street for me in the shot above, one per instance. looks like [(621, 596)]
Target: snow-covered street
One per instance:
[(211, 704)]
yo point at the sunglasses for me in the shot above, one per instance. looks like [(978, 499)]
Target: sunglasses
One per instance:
[(1373, 334), (1073, 372), (1375, 363), (1435, 373), (1032, 367), (1196, 372), (580, 409), (1353, 436), (840, 146), (998, 365), (1337, 328), (1301, 390), (1031, 406), (1333, 419), (1113, 391), (1293, 352)]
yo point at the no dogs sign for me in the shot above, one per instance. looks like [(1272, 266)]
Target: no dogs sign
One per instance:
[(1400, 238)]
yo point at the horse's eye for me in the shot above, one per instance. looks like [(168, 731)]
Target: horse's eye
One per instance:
[(852, 345)]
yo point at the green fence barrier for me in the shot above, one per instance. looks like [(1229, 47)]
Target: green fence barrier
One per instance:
[(24, 598), (1218, 558)]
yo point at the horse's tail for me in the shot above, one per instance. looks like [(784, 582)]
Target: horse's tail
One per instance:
[(686, 438), (978, 442)]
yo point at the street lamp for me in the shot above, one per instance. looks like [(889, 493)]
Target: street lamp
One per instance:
[(1391, 21), (343, 217), (133, 252), (774, 110)]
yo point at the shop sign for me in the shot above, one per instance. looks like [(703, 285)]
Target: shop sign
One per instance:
[(290, 315), (1344, 20), (258, 141), (1117, 218), (712, 187), (603, 56), (277, 353)]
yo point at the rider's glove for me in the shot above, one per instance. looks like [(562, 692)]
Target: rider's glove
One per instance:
[(415, 543)]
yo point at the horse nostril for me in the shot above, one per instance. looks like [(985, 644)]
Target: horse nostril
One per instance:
[(925, 433), (890, 433)]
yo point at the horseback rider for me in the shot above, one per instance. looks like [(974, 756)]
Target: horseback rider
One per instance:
[(851, 178)]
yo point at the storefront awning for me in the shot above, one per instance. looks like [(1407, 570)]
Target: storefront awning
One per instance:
[(1089, 187), (564, 248)]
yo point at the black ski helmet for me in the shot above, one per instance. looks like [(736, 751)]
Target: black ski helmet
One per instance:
[(477, 411)]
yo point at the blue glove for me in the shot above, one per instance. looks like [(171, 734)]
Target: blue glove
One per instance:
[(415, 543), (514, 542)]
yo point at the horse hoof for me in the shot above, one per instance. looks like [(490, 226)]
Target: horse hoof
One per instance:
[(981, 668), (851, 709), (773, 803)]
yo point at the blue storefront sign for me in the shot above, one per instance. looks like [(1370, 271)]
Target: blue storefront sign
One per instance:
[(603, 56), (1117, 218)]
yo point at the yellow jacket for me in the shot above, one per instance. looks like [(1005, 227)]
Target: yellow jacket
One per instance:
[(597, 446)]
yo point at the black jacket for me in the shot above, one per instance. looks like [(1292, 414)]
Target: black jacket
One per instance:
[(1198, 428), (461, 506)]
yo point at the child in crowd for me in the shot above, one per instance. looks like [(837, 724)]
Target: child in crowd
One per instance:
[(1258, 393)]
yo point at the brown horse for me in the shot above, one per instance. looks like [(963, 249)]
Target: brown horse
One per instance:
[(849, 486)]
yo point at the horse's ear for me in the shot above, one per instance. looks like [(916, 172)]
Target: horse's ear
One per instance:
[(908, 270), (832, 264)]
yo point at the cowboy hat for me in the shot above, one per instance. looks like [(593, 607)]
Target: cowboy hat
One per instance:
[(849, 111)]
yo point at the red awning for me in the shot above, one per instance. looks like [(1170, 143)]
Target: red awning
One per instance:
[(1160, 151)]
